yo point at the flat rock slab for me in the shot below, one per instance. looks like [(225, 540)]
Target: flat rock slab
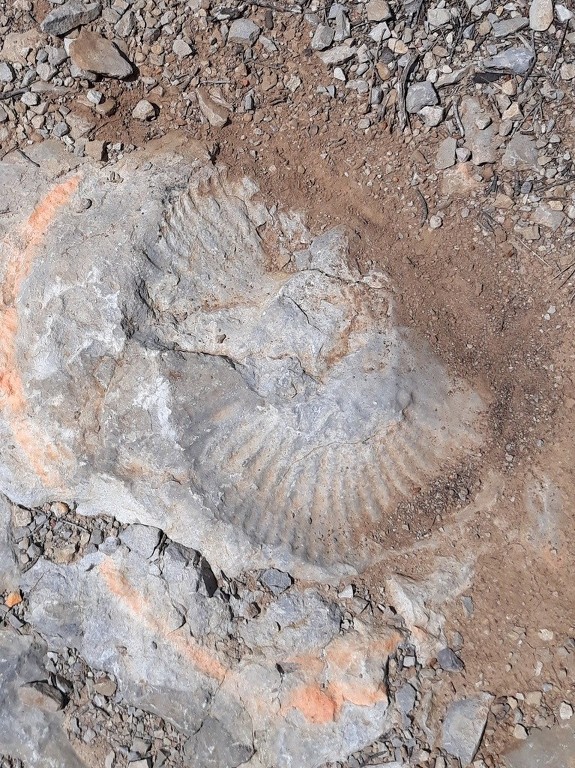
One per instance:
[(65, 18), (549, 748), (95, 53), (463, 727), (239, 385)]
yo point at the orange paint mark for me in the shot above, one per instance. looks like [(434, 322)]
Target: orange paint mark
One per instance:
[(135, 601), (315, 704), (20, 251)]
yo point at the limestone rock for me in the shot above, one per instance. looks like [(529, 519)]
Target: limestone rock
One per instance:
[(144, 110), (216, 114), (463, 727), (483, 142), (517, 60), (259, 415), (420, 95), (520, 154), (64, 18), (94, 53), (540, 15), (337, 55), (244, 32), (328, 702), (378, 10), (322, 38), (32, 734)]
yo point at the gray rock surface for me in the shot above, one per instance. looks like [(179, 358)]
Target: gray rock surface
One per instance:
[(337, 55), (445, 156), (280, 343), (483, 142), (520, 153), (549, 748), (64, 18), (244, 32), (322, 38), (540, 15), (27, 731), (420, 95), (463, 727), (151, 619), (517, 60)]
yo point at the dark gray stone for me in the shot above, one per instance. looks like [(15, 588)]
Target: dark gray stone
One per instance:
[(276, 581), (449, 661), (67, 17)]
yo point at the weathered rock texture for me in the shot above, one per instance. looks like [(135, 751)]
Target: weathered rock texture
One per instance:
[(181, 355)]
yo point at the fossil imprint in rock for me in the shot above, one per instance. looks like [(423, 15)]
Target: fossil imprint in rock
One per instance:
[(203, 364)]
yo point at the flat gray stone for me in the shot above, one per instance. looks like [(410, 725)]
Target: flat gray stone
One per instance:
[(520, 153), (276, 581), (463, 727), (65, 18), (337, 55), (483, 142), (508, 27), (419, 95), (6, 72), (449, 661), (142, 539), (548, 748), (547, 217), (95, 53), (243, 32), (405, 698), (515, 60), (378, 10), (322, 38), (445, 156)]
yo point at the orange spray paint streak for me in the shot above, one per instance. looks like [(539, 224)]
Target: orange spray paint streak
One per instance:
[(187, 647), (20, 252)]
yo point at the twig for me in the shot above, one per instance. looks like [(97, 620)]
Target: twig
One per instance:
[(402, 87), (12, 94), (424, 205), (560, 46), (457, 117), (25, 156)]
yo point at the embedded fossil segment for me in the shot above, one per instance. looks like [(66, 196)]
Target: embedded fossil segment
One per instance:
[(203, 364)]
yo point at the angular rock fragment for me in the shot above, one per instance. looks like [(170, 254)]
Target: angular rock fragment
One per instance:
[(244, 32), (94, 53), (420, 95), (516, 60), (540, 15), (216, 114), (463, 727), (64, 18), (42, 695), (337, 55)]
